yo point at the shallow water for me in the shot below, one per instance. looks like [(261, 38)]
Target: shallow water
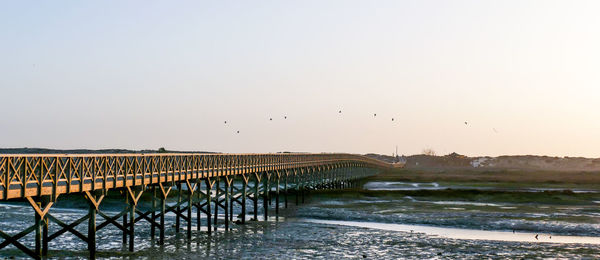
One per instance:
[(466, 234), (416, 223), (405, 186)]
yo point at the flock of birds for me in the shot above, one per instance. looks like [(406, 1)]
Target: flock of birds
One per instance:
[(340, 111), (285, 117)]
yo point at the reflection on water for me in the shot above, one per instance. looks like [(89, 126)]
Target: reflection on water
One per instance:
[(384, 185), (406, 186), (459, 233)]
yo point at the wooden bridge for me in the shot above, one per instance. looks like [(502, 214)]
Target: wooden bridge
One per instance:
[(204, 182)]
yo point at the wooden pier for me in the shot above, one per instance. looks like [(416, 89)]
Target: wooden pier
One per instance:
[(206, 184)]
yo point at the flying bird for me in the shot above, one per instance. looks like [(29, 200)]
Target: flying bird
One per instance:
[(225, 122), (238, 132), (340, 111), (284, 117), (374, 114), (392, 119), (270, 119), (536, 237), (466, 123)]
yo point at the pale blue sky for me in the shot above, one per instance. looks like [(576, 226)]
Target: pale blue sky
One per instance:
[(146, 74)]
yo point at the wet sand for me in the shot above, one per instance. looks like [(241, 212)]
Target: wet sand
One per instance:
[(414, 223)]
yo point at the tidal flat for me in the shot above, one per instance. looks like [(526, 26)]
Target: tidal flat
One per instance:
[(386, 219)]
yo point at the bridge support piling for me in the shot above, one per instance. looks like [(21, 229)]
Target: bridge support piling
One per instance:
[(323, 181), (304, 180), (209, 185), (177, 216), (333, 180), (162, 221), (92, 233), (302, 189), (131, 225), (285, 189), (189, 212), (133, 198), (296, 187), (217, 195), (198, 205), (153, 214), (125, 219), (277, 198), (256, 195), (266, 190), (244, 195), (93, 203), (231, 198), (45, 223), (339, 179), (38, 232), (163, 208), (226, 206), (45, 237)]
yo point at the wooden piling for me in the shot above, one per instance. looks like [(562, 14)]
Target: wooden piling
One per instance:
[(177, 221), (208, 202), (163, 202), (153, 214), (189, 214), (217, 195), (256, 196), (231, 198), (125, 222), (285, 189), (277, 198), (266, 196), (131, 224), (92, 231), (226, 206), (244, 194), (38, 232), (199, 207)]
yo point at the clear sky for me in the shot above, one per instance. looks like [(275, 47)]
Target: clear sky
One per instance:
[(524, 75)]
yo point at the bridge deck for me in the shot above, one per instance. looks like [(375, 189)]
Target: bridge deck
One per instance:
[(34, 175)]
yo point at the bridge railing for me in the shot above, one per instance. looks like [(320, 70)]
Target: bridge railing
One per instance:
[(32, 175)]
